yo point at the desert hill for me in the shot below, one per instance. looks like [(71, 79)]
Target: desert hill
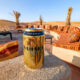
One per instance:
[(59, 23), (7, 23)]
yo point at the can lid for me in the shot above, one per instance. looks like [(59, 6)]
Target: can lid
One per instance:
[(33, 29)]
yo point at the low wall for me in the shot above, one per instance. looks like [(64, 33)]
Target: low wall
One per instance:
[(67, 55), (54, 34)]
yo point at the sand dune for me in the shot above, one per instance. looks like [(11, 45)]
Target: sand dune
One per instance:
[(59, 23), (6, 23)]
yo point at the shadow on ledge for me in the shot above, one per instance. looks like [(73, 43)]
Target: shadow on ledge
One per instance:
[(76, 61)]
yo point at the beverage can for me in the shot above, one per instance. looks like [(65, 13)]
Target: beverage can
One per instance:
[(33, 47)]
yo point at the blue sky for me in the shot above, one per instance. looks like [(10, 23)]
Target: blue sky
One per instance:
[(51, 10)]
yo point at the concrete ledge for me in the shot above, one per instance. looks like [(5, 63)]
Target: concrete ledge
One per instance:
[(67, 55), (53, 69), (56, 35), (52, 33)]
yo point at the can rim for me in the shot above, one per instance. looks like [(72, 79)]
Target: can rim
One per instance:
[(33, 29)]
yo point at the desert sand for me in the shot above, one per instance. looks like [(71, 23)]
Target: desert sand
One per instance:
[(59, 23)]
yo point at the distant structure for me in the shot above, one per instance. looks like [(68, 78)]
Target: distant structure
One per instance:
[(41, 21), (17, 15), (69, 16)]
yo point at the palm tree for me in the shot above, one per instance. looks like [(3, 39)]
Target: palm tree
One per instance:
[(69, 16), (41, 21), (17, 15)]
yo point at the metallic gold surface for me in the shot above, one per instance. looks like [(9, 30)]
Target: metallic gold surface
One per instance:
[(33, 48)]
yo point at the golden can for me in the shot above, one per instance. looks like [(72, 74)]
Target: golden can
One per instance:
[(33, 47)]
